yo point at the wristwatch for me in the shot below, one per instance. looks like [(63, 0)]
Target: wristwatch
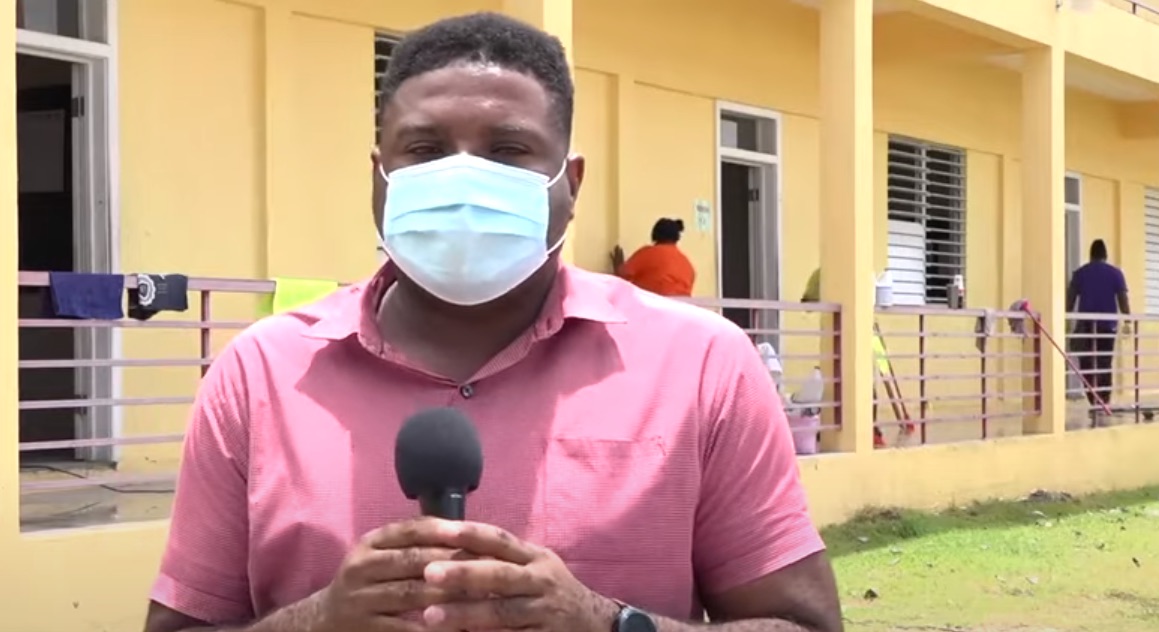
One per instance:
[(630, 619)]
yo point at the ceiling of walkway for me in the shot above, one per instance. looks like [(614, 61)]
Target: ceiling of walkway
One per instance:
[(901, 36)]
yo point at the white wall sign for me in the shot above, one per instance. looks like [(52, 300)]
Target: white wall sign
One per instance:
[(703, 216)]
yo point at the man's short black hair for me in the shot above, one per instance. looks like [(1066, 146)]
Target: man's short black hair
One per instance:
[(488, 38), (1098, 250)]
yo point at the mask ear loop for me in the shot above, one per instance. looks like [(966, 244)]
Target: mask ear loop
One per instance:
[(559, 174), (550, 183), (381, 230)]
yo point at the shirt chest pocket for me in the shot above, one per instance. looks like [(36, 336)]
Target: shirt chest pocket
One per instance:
[(617, 501)]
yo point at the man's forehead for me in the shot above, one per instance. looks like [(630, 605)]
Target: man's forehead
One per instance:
[(475, 88)]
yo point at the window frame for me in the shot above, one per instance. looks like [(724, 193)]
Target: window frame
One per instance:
[(913, 188)]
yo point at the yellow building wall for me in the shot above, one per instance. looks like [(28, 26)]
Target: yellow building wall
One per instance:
[(645, 121), (246, 126), (770, 60)]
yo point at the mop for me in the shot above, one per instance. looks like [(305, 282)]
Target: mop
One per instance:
[(1025, 307)]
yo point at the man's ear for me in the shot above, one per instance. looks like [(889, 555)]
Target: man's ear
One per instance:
[(377, 189), (575, 175)]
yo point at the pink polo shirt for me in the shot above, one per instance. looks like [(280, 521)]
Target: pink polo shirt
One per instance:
[(638, 437)]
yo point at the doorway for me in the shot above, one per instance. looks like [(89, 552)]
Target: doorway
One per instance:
[(749, 261), (57, 232), (748, 250)]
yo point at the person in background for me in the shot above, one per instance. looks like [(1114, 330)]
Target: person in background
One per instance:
[(660, 268), (812, 294), (813, 288), (1097, 288)]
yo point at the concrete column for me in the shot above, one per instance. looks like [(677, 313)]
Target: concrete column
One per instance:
[(554, 17), (278, 144), (625, 113), (9, 395), (846, 168), (1043, 256)]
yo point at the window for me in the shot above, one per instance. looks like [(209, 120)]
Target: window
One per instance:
[(78, 19), (927, 219), (747, 132), (383, 49), (1151, 249)]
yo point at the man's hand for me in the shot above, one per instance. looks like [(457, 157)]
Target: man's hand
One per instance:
[(517, 585), (382, 579)]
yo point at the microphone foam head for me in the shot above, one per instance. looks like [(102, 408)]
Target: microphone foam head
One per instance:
[(437, 450)]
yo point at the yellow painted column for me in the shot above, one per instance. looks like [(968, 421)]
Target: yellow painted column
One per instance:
[(623, 144), (847, 204), (554, 17), (279, 98), (1043, 256), (9, 395)]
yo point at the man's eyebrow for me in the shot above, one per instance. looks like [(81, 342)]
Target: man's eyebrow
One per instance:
[(414, 130), (513, 129)]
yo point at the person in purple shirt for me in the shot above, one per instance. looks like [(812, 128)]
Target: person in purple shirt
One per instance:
[(1097, 288)]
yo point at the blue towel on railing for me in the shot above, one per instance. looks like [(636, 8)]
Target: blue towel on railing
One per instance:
[(88, 296)]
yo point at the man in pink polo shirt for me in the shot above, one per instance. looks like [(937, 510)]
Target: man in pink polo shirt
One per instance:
[(639, 469)]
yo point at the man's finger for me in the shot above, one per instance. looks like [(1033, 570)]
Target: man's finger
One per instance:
[(420, 532), (396, 598), (480, 579), (377, 565), (517, 613), (486, 540)]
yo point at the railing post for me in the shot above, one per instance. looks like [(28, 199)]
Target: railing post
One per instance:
[(206, 340), (1036, 362), (1135, 355), (923, 402), (985, 386)]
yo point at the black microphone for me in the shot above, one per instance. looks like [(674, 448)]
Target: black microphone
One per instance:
[(438, 460)]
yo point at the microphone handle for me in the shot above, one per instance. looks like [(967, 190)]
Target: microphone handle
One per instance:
[(450, 504)]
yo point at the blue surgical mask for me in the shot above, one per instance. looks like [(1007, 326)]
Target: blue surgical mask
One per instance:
[(466, 229)]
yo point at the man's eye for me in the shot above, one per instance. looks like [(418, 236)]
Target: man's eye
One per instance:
[(509, 150), (423, 150)]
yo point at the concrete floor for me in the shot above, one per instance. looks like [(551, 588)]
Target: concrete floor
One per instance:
[(88, 506)]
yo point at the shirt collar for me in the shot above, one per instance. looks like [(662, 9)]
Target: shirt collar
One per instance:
[(576, 295)]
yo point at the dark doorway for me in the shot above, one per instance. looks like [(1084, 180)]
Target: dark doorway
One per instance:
[(737, 191), (44, 106)]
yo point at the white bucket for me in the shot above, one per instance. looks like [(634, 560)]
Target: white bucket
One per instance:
[(805, 429), (883, 290)]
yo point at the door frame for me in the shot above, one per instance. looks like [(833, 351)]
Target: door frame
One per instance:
[(1073, 383), (771, 180), (1077, 209), (96, 185)]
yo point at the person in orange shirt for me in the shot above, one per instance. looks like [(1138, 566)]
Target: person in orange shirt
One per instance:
[(659, 268)]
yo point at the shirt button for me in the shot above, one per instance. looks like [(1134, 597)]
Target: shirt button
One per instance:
[(466, 391)]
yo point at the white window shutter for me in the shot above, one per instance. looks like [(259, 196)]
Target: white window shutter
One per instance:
[(927, 219), (1151, 250)]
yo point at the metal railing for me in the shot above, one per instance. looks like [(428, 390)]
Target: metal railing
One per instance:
[(806, 339), (1147, 11), (946, 375), (121, 407), (1112, 369), (150, 370)]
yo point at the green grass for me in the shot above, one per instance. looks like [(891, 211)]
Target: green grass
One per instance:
[(1050, 563)]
